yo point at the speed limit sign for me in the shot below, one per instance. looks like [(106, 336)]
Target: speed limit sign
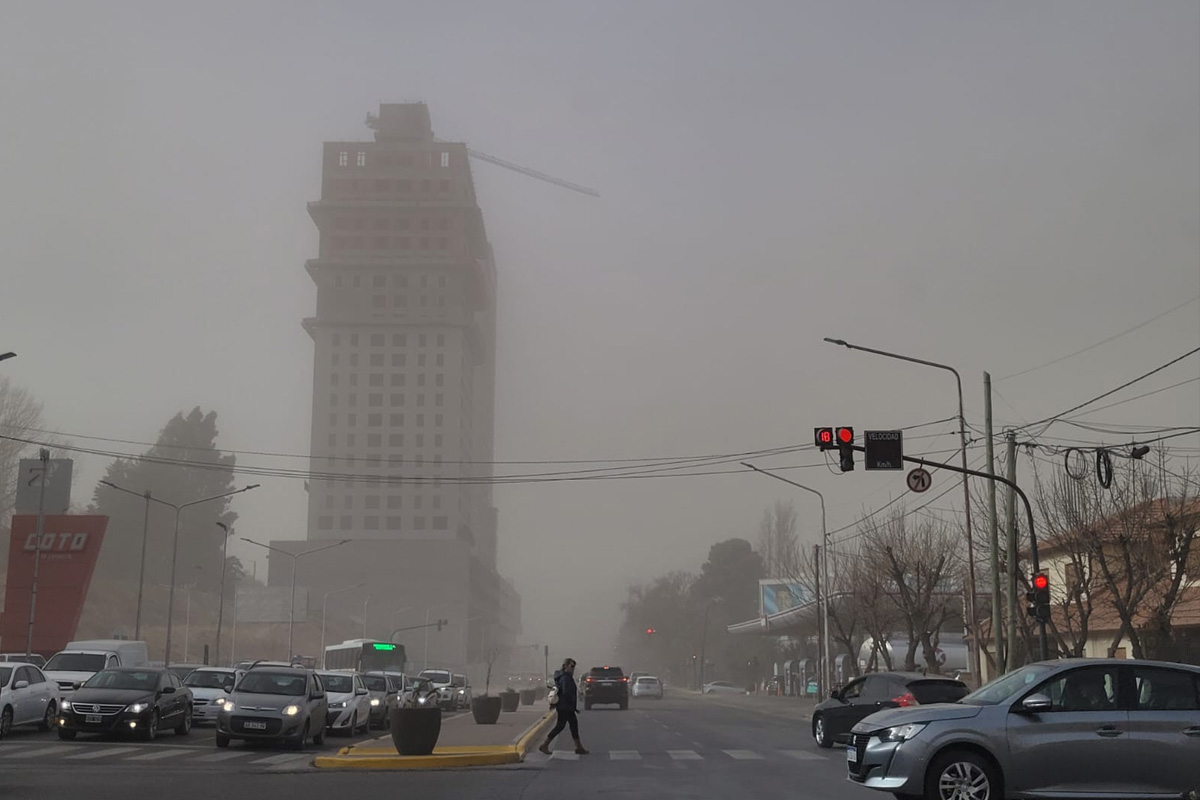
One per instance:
[(919, 480)]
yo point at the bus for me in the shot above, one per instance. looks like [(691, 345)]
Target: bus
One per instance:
[(366, 655)]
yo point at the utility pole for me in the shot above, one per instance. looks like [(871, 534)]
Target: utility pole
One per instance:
[(44, 455), (998, 641), (822, 642), (704, 643), (221, 600), (137, 625), (1010, 511)]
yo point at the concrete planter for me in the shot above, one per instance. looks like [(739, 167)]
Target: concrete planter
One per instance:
[(527, 697), (510, 700), (415, 731), (486, 709)]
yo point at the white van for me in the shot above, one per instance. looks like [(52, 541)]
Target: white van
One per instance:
[(80, 660)]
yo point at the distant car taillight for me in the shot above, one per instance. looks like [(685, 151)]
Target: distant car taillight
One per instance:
[(625, 680), (905, 700)]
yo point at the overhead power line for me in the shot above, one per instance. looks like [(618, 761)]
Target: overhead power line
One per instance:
[(1135, 397), (1114, 337)]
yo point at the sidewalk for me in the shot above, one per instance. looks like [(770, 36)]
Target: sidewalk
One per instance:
[(462, 743)]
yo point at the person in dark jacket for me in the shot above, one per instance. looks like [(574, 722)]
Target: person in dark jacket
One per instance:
[(568, 699)]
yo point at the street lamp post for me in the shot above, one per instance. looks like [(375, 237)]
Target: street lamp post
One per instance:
[(175, 543), (324, 608), (221, 599), (292, 606), (823, 595), (962, 435), (7, 356)]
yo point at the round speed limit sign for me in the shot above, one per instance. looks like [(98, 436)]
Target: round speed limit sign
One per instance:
[(919, 480)]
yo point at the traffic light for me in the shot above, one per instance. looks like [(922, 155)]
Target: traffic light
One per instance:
[(1039, 597), (823, 438), (650, 631), (845, 438)]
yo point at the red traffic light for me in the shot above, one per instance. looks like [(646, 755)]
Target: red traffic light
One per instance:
[(845, 435), (650, 630), (1041, 581), (823, 437)]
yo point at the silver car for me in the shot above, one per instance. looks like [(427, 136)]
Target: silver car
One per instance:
[(1081, 728), (274, 703)]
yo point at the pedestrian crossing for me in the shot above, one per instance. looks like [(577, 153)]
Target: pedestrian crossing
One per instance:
[(84, 753), (683, 755)]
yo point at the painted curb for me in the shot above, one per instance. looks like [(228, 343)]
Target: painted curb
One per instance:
[(384, 758)]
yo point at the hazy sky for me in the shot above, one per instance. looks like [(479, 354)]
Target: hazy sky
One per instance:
[(989, 185)]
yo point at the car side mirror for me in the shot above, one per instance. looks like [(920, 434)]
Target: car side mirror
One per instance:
[(227, 689), (20, 685), (168, 690), (1036, 704), (360, 691), (317, 696), (77, 685), (836, 694)]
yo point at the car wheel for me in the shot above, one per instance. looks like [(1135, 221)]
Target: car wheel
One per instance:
[(624, 705), (185, 727), (222, 740), (6, 721), (319, 739), (962, 775), (353, 728), (298, 743), (151, 731), (66, 735), (820, 734), (47, 722)]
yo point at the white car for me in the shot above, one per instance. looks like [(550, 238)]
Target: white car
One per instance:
[(647, 686), (722, 687), (209, 687), (349, 702), (443, 681), (27, 697)]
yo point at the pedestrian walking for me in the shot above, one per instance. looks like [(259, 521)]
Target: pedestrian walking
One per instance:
[(566, 704)]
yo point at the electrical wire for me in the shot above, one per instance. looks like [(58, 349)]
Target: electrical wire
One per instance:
[(1136, 397), (1114, 337)]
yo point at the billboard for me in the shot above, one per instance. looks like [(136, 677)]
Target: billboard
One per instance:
[(58, 486), (70, 545), (776, 595)]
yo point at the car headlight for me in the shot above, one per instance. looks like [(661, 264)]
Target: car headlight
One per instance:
[(901, 733), (291, 711), (137, 708), (374, 702), (227, 705), (462, 691), (422, 700), (64, 705), (337, 705)]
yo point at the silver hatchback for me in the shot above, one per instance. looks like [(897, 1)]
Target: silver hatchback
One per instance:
[(1074, 728)]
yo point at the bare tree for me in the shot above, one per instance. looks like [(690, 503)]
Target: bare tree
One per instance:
[(919, 560), (19, 412)]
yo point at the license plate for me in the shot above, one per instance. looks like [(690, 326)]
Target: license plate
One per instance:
[(255, 726), (93, 719), (852, 754)]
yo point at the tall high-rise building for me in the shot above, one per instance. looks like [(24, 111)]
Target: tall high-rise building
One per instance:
[(404, 340), (403, 402)]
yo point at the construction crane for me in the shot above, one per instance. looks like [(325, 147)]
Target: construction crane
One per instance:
[(533, 173)]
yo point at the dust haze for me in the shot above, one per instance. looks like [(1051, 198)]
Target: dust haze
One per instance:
[(989, 185)]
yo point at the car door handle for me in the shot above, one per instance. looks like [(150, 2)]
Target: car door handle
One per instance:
[(1108, 732), (1192, 731)]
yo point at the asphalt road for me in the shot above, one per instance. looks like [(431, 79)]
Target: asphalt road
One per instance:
[(682, 747)]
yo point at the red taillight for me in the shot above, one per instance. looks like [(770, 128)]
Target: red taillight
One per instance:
[(905, 700), (625, 680), (589, 679)]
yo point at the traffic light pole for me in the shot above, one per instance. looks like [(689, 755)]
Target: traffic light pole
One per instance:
[(1043, 642)]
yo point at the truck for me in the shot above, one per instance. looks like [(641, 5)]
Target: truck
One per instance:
[(80, 660)]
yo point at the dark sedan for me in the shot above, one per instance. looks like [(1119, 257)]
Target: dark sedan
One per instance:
[(833, 719), (128, 700)]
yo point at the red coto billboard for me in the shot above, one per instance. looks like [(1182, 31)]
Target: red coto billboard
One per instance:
[(69, 548)]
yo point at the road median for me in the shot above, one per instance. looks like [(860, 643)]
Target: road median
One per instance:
[(463, 745)]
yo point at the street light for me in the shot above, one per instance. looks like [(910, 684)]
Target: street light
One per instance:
[(294, 557), (823, 595), (7, 356), (962, 436), (174, 547), (324, 607), (221, 599)]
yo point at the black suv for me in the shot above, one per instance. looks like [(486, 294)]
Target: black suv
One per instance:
[(846, 707), (605, 685)]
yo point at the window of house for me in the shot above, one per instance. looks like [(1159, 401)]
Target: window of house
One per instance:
[(396, 440), (333, 399), (443, 225), (332, 420), (345, 523), (395, 501), (354, 379), (336, 359), (439, 400), (379, 301), (374, 420), (360, 158), (399, 359), (377, 379), (375, 400), (398, 399), (440, 379), (354, 359), (437, 420), (426, 186), (443, 243), (354, 340), (377, 359), (420, 379), (378, 340), (421, 419), (333, 379), (333, 440), (437, 440), (393, 523), (420, 440), (398, 340), (353, 399), (396, 421), (343, 158), (349, 440), (371, 523), (440, 360), (398, 379), (419, 523), (445, 160), (357, 278)]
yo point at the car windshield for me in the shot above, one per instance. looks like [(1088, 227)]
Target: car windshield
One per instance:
[(460, 680), (5, 673), (208, 679), (112, 679), (76, 662), (655, 680), (288, 684), (1008, 686), (436, 675), (606, 672), (337, 683), (928, 692), (374, 683)]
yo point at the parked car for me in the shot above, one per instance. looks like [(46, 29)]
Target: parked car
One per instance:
[(128, 700), (348, 700), (384, 691), (461, 688), (1070, 728), (27, 697), (605, 685), (647, 686), (833, 718), (21, 658), (274, 703), (208, 685), (443, 681), (722, 687)]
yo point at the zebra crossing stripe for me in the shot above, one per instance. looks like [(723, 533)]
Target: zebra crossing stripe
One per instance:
[(743, 755), (802, 755), (280, 759), (564, 755), (103, 752), (44, 751), (624, 755), (684, 755), (157, 755), (225, 756)]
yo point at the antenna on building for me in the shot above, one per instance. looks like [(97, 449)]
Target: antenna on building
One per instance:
[(532, 173)]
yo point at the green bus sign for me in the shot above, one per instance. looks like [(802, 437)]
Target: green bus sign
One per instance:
[(383, 646)]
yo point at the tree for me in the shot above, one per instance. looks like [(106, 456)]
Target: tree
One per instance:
[(730, 577), (20, 411)]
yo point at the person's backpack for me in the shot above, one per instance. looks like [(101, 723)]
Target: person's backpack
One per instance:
[(552, 695)]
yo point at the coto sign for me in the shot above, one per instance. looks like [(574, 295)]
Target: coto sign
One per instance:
[(57, 542)]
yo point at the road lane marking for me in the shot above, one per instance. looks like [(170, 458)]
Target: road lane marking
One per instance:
[(684, 755), (107, 751), (280, 759), (225, 756), (743, 755), (624, 755), (565, 755), (43, 751), (802, 755), (156, 755)]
